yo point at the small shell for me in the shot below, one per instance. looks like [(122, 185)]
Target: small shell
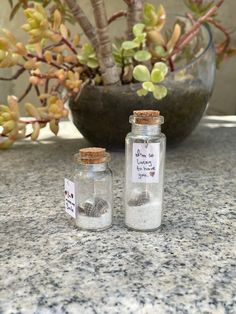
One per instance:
[(140, 199), (94, 209), (101, 206)]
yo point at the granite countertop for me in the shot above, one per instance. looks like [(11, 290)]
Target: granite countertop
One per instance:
[(48, 266)]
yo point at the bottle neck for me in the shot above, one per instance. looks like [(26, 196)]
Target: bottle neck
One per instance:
[(94, 167), (146, 129)]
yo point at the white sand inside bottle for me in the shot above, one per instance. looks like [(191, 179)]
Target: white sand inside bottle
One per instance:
[(91, 223), (144, 217)]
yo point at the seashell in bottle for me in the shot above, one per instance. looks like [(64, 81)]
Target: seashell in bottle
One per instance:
[(94, 209), (140, 199), (101, 206)]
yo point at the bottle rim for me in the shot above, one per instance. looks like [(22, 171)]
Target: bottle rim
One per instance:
[(146, 120), (92, 160)]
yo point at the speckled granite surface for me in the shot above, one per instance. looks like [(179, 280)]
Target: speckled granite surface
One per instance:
[(47, 266)]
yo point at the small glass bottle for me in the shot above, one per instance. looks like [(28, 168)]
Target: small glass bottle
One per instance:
[(93, 189), (145, 162)]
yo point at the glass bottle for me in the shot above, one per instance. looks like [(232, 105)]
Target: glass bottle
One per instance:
[(145, 161), (93, 189)]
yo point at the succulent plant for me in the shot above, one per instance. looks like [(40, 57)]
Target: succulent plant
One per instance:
[(150, 80), (55, 59)]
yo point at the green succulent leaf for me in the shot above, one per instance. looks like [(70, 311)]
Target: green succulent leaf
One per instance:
[(87, 56), (159, 92), (92, 63), (150, 16), (160, 51), (87, 49), (129, 45), (141, 73), (148, 86), (142, 92), (162, 67), (140, 39), (138, 29), (81, 58), (142, 55), (157, 76), (128, 53)]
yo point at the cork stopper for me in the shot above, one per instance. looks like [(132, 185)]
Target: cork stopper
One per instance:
[(91, 155), (146, 116)]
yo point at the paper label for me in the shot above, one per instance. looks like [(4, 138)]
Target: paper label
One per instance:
[(70, 206), (145, 162)]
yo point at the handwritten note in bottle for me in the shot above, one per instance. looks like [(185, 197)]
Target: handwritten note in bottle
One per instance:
[(145, 160)]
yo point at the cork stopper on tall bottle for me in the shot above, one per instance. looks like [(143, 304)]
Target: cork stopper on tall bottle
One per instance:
[(146, 116), (91, 155)]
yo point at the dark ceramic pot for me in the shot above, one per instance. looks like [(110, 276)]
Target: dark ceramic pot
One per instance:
[(102, 113)]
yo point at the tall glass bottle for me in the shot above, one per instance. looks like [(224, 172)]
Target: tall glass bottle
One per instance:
[(145, 162), (93, 189)]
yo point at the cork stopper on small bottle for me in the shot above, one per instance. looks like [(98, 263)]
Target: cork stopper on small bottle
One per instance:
[(146, 116), (91, 155)]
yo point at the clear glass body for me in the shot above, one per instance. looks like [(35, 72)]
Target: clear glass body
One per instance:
[(144, 195), (94, 200)]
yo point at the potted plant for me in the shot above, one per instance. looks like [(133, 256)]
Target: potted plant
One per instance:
[(156, 64)]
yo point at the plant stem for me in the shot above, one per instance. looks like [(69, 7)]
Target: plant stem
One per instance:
[(31, 56), (225, 44), (28, 89), (33, 121), (134, 15), (37, 90), (171, 64), (15, 76), (68, 44), (195, 28), (84, 22), (106, 61), (116, 16), (46, 88)]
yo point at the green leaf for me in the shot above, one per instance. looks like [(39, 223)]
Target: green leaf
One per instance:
[(92, 63), (128, 53), (148, 86), (129, 45), (138, 29), (142, 92), (142, 55), (160, 51), (140, 39), (150, 17), (157, 76), (81, 58), (161, 66), (160, 92), (87, 49), (141, 73)]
